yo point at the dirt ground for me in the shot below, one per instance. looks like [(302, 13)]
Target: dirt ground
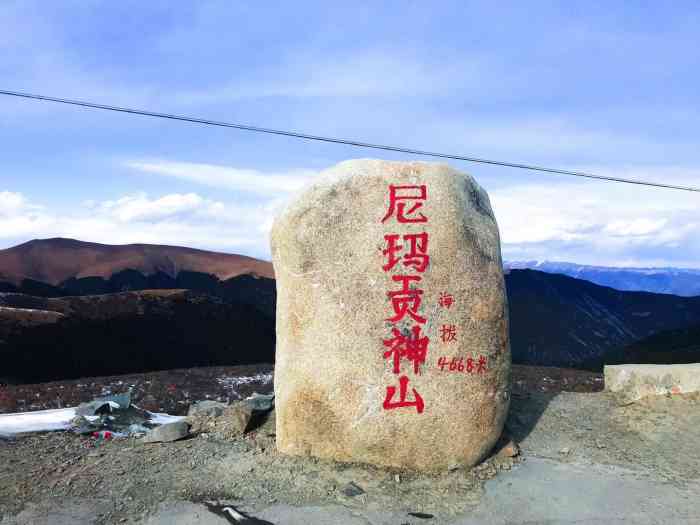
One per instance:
[(127, 481), (132, 478)]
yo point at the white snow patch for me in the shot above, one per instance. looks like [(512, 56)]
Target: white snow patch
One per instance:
[(38, 421), (160, 418), (232, 382), (59, 419)]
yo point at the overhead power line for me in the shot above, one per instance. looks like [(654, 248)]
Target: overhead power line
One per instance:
[(348, 142)]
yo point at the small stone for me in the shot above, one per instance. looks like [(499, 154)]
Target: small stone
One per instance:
[(232, 422), (207, 408), (565, 451), (168, 432), (509, 450), (397, 478), (352, 489), (599, 443), (260, 402)]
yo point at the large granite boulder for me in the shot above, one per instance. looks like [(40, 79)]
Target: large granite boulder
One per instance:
[(392, 329)]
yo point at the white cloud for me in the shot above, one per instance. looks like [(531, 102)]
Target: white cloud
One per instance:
[(179, 219), (580, 221), (246, 180), (11, 202), (635, 227), (19, 217), (140, 208), (599, 223)]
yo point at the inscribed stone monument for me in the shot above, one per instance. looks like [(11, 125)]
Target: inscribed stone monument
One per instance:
[(392, 328)]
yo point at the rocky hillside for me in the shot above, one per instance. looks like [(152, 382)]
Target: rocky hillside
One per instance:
[(670, 346), (561, 321), (676, 281), (44, 339)]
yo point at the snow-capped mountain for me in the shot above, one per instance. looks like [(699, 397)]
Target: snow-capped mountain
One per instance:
[(678, 281)]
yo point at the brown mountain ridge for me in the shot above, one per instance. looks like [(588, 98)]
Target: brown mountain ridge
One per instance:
[(55, 261)]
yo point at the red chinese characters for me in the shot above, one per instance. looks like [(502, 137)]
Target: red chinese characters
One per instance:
[(406, 253), (412, 347), (402, 402), (406, 301), (448, 332), (401, 197), (446, 300), (417, 255)]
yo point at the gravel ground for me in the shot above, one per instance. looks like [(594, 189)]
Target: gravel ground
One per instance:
[(131, 478), (63, 478)]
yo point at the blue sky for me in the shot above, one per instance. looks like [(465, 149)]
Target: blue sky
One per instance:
[(606, 87)]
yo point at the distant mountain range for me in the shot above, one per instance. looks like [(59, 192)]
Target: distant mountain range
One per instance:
[(677, 281), (73, 309), (556, 320)]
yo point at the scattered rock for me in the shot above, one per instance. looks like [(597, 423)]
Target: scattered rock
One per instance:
[(352, 489), (168, 432), (336, 396), (80, 425), (232, 422), (599, 443), (105, 405), (260, 402), (509, 449), (565, 451), (207, 408)]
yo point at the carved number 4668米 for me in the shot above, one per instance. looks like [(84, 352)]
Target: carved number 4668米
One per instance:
[(459, 364)]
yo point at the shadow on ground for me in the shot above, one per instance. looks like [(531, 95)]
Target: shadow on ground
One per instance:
[(526, 409)]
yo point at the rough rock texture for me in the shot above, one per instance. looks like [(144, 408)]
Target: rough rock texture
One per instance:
[(207, 407), (331, 376), (168, 432), (633, 382), (231, 423)]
